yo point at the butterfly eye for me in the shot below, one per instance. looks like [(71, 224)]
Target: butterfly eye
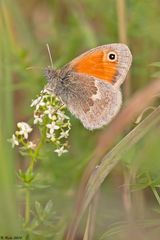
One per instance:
[(112, 56)]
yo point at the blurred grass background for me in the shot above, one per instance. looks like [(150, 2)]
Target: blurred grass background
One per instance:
[(71, 27)]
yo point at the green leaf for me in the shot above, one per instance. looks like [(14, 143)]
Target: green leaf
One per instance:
[(49, 206), (39, 209)]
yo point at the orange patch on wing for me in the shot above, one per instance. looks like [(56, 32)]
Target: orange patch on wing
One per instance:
[(96, 64)]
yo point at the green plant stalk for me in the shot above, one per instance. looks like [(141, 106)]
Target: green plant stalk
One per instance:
[(156, 194), (27, 207), (7, 74), (86, 234), (90, 224), (36, 153), (122, 32), (8, 212), (154, 190), (31, 167), (121, 14)]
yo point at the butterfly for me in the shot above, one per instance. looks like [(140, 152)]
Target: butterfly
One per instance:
[(89, 85)]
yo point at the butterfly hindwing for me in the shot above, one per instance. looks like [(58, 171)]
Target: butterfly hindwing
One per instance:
[(95, 104)]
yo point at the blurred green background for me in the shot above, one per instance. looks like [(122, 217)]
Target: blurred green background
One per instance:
[(71, 27)]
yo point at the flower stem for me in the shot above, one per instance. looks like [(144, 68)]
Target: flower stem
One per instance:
[(34, 156), (31, 166), (27, 206)]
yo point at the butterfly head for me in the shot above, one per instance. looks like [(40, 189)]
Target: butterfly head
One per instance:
[(58, 81), (51, 76)]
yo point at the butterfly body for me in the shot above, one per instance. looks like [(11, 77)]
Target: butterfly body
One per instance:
[(90, 84)]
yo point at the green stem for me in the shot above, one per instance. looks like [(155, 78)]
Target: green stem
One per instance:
[(156, 194), (36, 153), (27, 207), (153, 189), (31, 166)]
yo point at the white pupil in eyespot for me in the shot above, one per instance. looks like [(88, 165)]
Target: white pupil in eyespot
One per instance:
[(112, 56)]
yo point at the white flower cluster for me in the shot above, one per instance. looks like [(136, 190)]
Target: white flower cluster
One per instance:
[(49, 112), (50, 118), (21, 136)]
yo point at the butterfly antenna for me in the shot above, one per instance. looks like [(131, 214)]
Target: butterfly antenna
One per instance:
[(49, 53)]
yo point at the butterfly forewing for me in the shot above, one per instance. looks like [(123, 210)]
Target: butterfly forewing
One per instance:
[(95, 62)]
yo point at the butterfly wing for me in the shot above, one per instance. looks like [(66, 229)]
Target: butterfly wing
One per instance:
[(92, 101), (96, 62)]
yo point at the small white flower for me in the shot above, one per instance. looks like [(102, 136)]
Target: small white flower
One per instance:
[(14, 141), (31, 145), (64, 134), (61, 116), (40, 104), (48, 135), (36, 101), (49, 111), (24, 129), (45, 91), (52, 127), (60, 151), (38, 119)]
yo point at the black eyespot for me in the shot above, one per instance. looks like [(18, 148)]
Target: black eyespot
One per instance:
[(112, 56)]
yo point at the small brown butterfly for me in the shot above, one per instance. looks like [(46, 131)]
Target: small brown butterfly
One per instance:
[(90, 84)]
